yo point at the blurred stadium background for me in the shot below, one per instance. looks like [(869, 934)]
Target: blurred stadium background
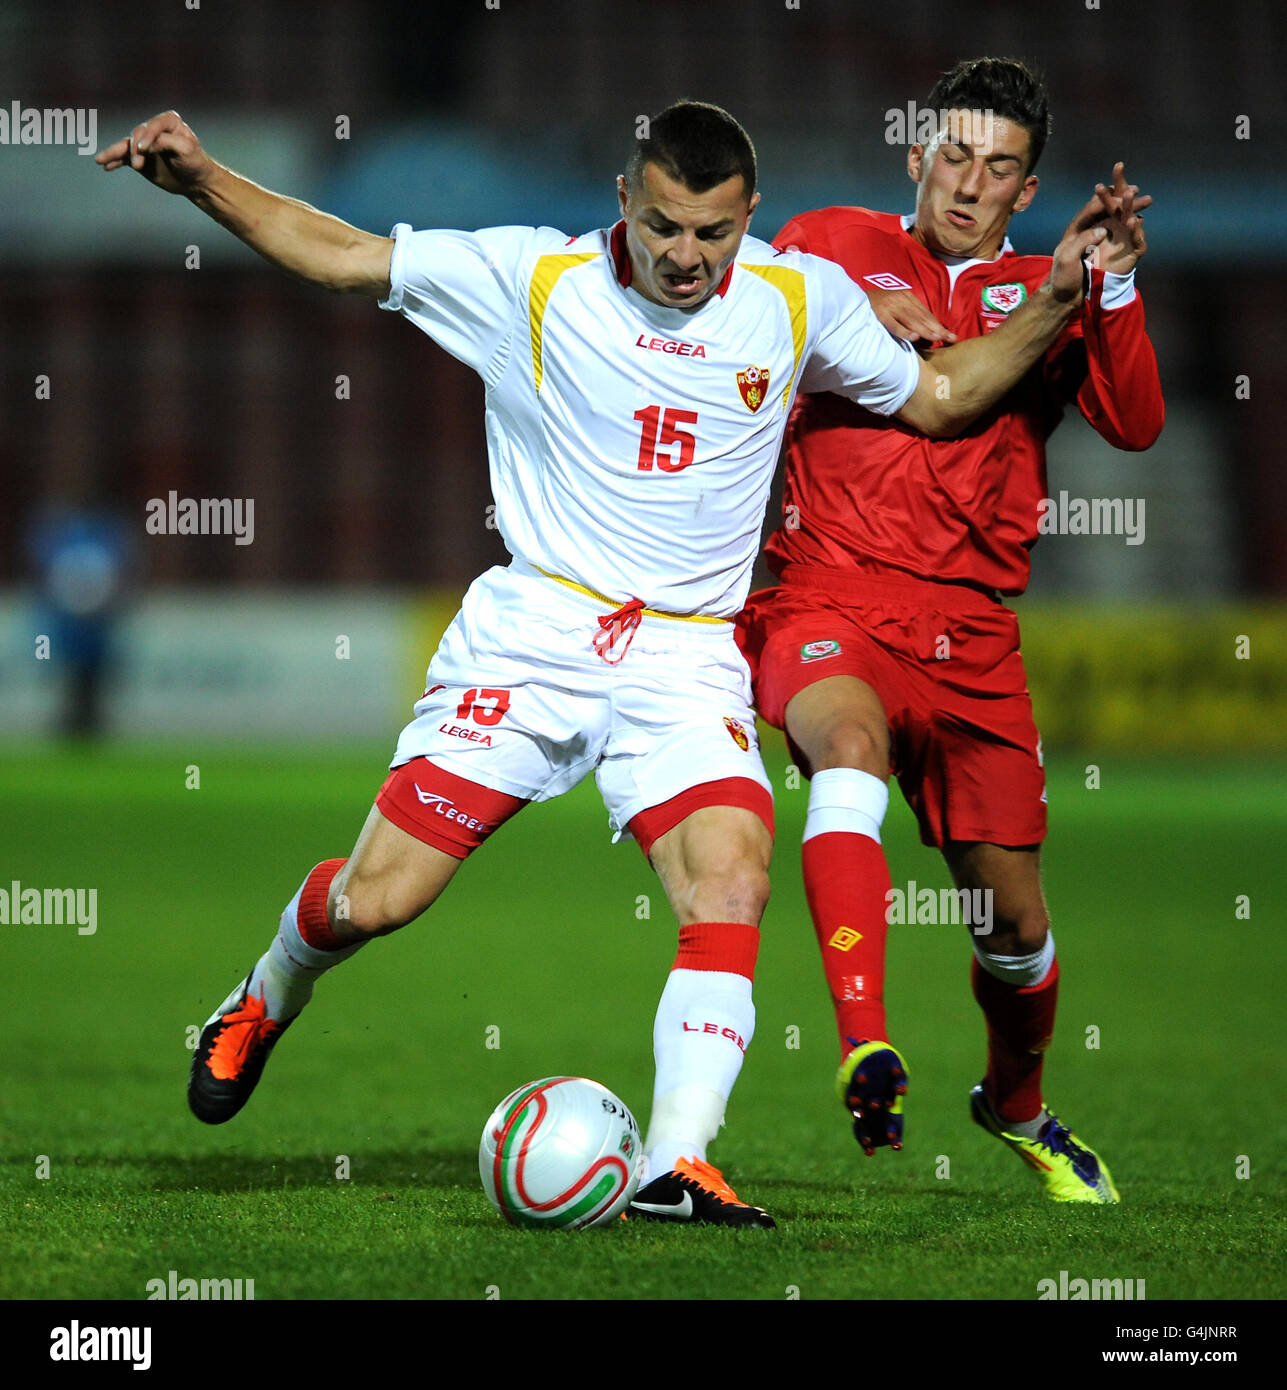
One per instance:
[(361, 443)]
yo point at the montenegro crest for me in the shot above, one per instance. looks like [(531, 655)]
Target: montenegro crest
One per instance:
[(1003, 299), (753, 383), (735, 730)]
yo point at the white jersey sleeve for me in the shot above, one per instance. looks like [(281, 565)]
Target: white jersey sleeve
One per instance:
[(853, 354), (461, 288)]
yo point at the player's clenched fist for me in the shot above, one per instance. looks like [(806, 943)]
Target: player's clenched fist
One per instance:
[(164, 151)]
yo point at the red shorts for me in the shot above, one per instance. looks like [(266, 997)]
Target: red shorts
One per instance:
[(944, 660)]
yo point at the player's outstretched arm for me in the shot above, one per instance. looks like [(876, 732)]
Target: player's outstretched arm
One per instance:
[(958, 383), (302, 241)]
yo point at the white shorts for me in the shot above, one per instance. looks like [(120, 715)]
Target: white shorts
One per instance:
[(518, 700)]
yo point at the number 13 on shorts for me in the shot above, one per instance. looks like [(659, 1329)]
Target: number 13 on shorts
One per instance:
[(484, 706)]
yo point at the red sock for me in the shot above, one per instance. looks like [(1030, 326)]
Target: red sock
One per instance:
[(727, 946), (846, 879), (1020, 1024), (311, 913)]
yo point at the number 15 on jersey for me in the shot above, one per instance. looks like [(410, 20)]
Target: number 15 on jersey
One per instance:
[(661, 432)]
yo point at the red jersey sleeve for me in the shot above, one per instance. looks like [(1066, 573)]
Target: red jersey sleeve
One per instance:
[(1122, 393), (805, 233)]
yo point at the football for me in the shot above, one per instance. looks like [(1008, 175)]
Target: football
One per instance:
[(563, 1152)]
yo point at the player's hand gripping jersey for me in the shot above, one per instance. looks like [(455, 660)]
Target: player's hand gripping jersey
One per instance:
[(632, 445), (874, 494)]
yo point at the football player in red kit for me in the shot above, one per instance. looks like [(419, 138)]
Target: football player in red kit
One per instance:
[(886, 646)]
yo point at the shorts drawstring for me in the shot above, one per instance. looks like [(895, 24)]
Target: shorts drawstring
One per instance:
[(613, 625)]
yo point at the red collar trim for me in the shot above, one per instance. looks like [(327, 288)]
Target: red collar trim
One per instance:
[(625, 271), (722, 288)]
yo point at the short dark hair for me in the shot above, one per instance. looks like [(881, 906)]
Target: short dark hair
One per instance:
[(1007, 87), (697, 144)]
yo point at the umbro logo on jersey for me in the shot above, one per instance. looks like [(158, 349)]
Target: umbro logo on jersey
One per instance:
[(1003, 299), (885, 280), (670, 345), (753, 383)]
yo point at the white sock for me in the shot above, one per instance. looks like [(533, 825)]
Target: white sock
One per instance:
[(705, 1021), (845, 799), (286, 972), (1020, 971), (1025, 1129)]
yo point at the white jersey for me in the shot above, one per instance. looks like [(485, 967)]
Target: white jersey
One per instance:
[(632, 446)]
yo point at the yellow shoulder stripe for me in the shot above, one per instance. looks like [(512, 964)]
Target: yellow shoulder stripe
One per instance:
[(544, 275), (790, 284)]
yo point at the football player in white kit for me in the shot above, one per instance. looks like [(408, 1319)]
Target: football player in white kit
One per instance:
[(638, 381)]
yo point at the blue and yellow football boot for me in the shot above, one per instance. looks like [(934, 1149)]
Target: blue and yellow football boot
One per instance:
[(871, 1084), (1069, 1171)]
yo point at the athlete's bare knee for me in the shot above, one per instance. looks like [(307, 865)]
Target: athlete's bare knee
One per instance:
[(368, 905), (732, 892), (840, 722), (852, 743), (1019, 932), (714, 866)]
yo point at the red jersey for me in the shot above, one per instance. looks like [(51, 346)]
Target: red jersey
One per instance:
[(864, 491)]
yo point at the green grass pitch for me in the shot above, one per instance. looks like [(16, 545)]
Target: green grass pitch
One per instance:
[(561, 942)]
